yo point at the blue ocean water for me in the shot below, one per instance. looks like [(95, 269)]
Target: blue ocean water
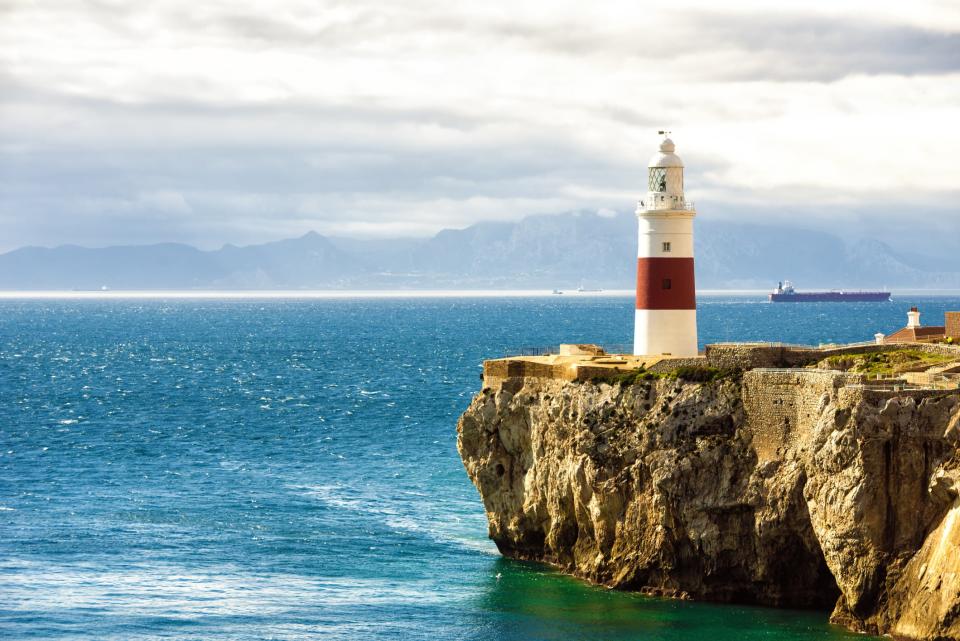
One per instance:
[(287, 469)]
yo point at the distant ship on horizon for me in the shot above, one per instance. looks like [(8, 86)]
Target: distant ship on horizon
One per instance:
[(785, 293)]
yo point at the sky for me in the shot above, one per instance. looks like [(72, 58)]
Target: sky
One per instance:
[(242, 122)]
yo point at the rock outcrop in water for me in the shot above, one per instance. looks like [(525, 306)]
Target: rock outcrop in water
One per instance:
[(781, 487)]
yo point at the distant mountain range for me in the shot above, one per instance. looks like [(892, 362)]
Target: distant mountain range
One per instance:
[(561, 251)]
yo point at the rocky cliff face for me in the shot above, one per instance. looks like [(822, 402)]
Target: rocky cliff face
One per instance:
[(783, 488)]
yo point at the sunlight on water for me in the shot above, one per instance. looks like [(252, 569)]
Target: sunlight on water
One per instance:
[(246, 469)]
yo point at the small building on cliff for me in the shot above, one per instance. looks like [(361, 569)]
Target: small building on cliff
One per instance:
[(914, 332)]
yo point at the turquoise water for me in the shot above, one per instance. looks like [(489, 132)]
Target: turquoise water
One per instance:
[(287, 469)]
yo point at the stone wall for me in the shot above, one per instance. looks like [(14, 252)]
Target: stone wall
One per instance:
[(785, 403), (751, 355), (668, 365), (952, 323), (497, 371), (880, 396), (748, 355), (932, 348)]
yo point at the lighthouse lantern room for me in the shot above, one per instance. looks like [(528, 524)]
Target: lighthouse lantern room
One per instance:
[(666, 310)]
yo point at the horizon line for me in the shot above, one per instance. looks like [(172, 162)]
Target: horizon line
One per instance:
[(320, 294)]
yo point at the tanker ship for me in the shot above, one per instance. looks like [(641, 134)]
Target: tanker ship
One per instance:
[(785, 293)]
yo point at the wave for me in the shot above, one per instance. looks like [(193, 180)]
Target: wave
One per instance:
[(439, 526), (177, 591)]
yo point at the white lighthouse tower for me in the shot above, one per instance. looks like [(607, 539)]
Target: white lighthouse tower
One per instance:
[(666, 316)]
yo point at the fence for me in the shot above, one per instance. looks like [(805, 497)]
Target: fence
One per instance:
[(758, 344), (845, 345), (534, 350)]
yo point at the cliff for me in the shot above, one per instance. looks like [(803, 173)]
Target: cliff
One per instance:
[(789, 487)]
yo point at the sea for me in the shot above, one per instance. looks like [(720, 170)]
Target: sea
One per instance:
[(286, 468)]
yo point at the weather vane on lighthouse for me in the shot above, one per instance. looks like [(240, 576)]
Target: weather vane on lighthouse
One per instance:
[(666, 310)]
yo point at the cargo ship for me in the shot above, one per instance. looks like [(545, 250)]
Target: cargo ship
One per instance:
[(785, 293)]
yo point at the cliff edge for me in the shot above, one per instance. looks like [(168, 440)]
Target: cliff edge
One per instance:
[(787, 487)]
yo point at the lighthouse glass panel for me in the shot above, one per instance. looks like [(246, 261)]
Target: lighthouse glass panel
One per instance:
[(658, 179)]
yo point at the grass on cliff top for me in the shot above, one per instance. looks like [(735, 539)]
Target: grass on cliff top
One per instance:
[(885, 363), (688, 373)]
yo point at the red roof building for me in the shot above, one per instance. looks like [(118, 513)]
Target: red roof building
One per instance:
[(915, 333)]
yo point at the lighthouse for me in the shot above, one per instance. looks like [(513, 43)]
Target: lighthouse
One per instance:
[(666, 315)]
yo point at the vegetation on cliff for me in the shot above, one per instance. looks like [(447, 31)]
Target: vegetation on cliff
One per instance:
[(887, 363)]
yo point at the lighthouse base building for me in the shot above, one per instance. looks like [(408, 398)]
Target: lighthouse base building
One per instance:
[(666, 306)]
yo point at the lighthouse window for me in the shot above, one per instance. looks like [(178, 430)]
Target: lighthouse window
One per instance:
[(658, 179), (667, 284), (666, 247)]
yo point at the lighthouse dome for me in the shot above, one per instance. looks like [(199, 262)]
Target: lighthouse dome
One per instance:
[(665, 157)]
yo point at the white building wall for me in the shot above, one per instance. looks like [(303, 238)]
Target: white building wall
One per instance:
[(665, 331), (658, 229)]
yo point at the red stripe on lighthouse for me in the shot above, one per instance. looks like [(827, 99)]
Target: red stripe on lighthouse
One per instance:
[(665, 283)]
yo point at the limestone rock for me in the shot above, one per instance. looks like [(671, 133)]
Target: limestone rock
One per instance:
[(785, 488)]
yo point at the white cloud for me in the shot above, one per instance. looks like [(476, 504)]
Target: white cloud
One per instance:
[(226, 121)]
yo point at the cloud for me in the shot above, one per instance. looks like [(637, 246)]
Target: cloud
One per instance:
[(706, 45), (222, 121), (798, 47)]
